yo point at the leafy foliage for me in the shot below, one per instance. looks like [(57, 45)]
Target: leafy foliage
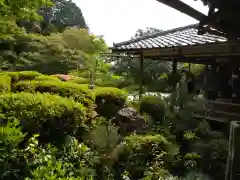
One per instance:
[(63, 14), (37, 112), (49, 127), (147, 31), (10, 139), (22, 9)]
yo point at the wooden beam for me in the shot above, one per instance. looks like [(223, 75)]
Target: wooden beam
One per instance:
[(214, 49), (174, 74), (193, 60), (141, 74), (189, 67), (224, 49), (184, 8)]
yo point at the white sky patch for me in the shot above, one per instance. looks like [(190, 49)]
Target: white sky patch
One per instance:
[(118, 20)]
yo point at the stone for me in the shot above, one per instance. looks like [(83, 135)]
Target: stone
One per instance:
[(128, 120), (233, 168)]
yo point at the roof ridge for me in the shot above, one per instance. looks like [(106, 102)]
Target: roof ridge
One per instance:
[(153, 35)]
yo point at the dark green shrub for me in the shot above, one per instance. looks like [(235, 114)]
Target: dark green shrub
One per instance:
[(109, 100), (23, 75), (159, 85), (155, 106), (10, 162), (148, 151), (49, 115), (5, 83), (71, 161)]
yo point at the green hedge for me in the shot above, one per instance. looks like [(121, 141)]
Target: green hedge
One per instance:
[(79, 80), (22, 75), (5, 83), (109, 100), (155, 106), (47, 78), (49, 115), (78, 92)]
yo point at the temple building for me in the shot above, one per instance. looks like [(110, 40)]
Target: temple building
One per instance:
[(219, 55)]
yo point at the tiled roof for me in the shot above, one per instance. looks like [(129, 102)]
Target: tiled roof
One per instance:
[(183, 36)]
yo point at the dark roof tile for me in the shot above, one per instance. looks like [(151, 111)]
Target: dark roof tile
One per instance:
[(183, 36)]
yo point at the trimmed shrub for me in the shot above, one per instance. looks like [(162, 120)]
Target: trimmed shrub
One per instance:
[(49, 115), (65, 89), (47, 78), (79, 80), (109, 101), (77, 92), (23, 75), (155, 106), (5, 83)]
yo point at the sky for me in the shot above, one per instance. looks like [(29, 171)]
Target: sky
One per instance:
[(118, 20)]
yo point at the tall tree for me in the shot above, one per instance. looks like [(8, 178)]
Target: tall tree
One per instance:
[(16, 9), (64, 13), (147, 31)]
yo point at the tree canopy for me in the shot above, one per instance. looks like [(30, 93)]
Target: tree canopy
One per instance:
[(27, 9), (64, 13), (147, 31)]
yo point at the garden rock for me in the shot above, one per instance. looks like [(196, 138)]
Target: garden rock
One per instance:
[(128, 120)]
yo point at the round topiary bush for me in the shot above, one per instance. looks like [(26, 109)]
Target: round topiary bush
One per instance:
[(109, 100), (155, 106), (49, 115)]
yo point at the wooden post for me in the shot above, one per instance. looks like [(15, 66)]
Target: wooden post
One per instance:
[(174, 75), (233, 170), (189, 67), (141, 74)]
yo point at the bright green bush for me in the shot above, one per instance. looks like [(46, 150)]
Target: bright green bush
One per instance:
[(49, 115), (79, 80), (155, 106), (47, 78), (23, 75), (5, 83), (109, 100), (75, 91)]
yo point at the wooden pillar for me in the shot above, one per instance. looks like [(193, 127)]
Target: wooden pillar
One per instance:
[(141, 74), (189, 67), (233, 169), (174, 75)]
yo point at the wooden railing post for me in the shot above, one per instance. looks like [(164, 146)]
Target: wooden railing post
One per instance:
[(233, 168)]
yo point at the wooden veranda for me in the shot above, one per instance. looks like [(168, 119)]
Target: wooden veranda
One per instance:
[(186, 45)]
